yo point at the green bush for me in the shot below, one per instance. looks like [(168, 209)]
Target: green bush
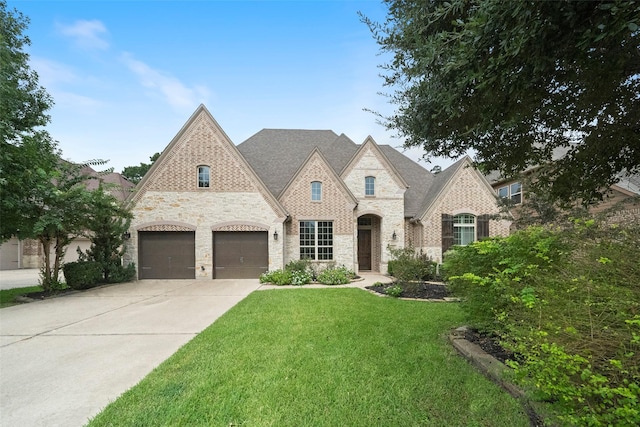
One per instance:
[(277, 277), (336, 275), (408, 265), (394, 291), (567, 301), (82, 275), (301, 273), (120, 274), (390, 267)]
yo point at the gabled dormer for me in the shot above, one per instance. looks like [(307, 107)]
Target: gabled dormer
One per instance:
[(370, 174)]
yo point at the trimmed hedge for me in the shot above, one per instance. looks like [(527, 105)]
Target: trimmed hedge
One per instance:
[(82, 275)]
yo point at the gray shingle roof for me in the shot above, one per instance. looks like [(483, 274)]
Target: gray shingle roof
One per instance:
[(277, 154), (420, 180)]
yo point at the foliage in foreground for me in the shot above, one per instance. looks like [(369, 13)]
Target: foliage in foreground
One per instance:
[(319, 357), (303, 272), (408, 265), (567, 301), (515, 80)]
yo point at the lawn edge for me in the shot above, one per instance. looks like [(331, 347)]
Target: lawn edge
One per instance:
[(494, 370)]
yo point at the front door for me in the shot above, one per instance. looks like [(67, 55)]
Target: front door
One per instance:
[(364, 249)]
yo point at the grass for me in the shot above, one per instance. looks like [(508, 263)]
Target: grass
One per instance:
[(319, 357), (8, 296)]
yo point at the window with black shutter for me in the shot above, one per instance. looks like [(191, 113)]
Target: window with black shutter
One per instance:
[(483, 226), (447, 232)]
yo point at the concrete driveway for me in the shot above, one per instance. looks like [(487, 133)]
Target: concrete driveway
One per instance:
[(10, 279), (63, 359)]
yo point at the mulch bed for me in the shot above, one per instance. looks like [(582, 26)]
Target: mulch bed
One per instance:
[(45, 295), (434, 291), (415, 290), (489, 343)]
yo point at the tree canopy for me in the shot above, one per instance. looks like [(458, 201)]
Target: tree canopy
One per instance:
[(23, 102), (519, 84), (135, 173), (27, 153)]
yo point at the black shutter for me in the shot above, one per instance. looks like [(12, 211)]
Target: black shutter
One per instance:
[(447, 232), (483, 226)]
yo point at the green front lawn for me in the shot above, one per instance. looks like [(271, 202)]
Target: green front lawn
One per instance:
[(319, 357), (8, 296)]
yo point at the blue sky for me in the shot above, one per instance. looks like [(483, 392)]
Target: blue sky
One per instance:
[(126, 75)]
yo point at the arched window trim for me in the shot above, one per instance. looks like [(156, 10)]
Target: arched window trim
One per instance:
[(464, 229), (370, 186)]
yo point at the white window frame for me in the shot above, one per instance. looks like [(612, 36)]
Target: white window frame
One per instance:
[(369, 186), (464, 227), (512, 192), (316, 191), (316, 240), (204, 176)]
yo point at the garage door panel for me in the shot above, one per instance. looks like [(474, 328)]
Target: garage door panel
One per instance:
[(240, 254), (167, 255), (10, 254)]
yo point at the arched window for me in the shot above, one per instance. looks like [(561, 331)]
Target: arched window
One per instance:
[(203, 176), (370, 186), (464, 229), (316, 191)]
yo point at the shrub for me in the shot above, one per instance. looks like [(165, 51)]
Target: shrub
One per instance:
[(409, 265), (300, 278), (336, 275), (120, 274), (567, 302), (277, 277), (82, 275), (394, 291), (390, 267)]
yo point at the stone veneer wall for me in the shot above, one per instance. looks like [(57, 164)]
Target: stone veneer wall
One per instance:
[(387, 204), (203, 211), (467, 193)]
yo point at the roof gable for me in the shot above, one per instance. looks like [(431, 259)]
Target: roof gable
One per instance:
[(443, 183), (277, 154), (202, 142), (316, 168), (370, 144), (419, 179)]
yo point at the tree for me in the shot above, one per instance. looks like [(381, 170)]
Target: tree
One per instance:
[(23, 102), (106, 225), (518, 83), (26, 151), (135, 173), (56, 215)]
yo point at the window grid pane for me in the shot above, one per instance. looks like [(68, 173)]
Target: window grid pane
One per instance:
[(464, 230), (316, 238), (203, 176), (369, 186), (316, 191)]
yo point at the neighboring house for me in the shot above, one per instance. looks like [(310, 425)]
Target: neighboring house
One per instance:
[(620, 203), (16, 254), (210, 209)]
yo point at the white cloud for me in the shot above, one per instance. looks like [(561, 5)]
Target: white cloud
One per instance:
[(52, 72), (176, 93), (86, 34)]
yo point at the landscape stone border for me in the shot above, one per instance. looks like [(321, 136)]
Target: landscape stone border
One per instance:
[(493, 369)]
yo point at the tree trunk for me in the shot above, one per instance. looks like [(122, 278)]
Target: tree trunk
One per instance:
[(46, 269)]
